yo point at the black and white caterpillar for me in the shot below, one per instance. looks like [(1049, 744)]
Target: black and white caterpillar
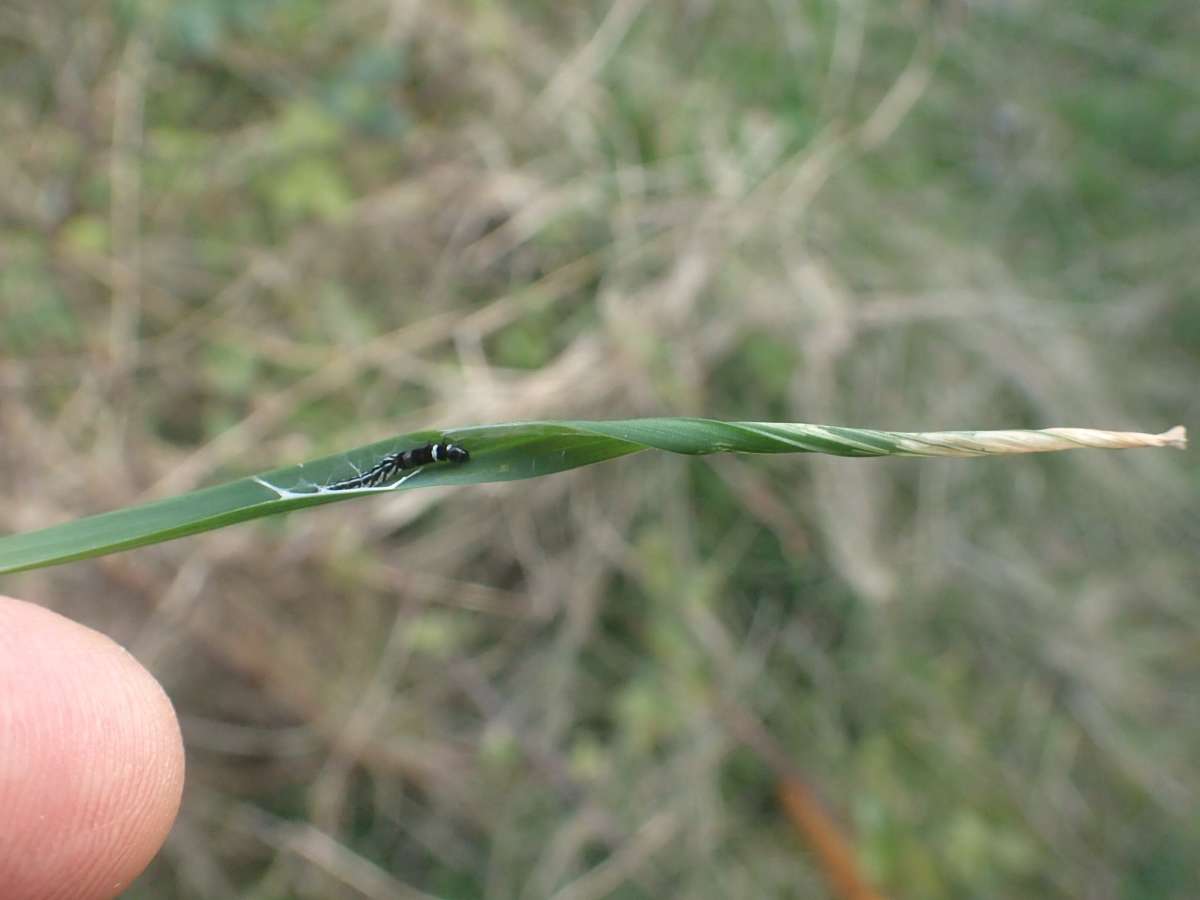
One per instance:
[(401, 461)]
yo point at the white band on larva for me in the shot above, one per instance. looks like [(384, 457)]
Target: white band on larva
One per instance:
[(436, 448)]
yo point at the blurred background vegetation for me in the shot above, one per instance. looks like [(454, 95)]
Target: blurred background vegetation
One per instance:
[(235, 234)]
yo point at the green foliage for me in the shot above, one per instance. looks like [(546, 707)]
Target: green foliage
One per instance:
[(33, 308)]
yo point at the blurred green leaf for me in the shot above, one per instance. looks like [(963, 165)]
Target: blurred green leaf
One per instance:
[(86, 234), (310, 187)]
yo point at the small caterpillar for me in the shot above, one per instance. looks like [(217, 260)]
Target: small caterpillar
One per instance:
[(401, 460)]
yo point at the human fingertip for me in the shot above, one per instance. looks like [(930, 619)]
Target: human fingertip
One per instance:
[(91, 759)]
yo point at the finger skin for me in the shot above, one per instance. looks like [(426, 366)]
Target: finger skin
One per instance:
[(91, 760)]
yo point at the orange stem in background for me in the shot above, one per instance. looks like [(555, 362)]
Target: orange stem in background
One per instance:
[(831, 848)]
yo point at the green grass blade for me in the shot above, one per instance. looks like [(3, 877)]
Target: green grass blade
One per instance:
[(516, 451)]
